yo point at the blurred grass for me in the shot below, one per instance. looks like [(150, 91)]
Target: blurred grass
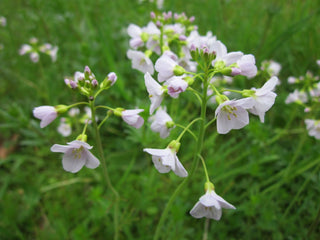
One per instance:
[(270, 171)]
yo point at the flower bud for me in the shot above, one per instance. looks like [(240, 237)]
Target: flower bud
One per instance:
[(61, 108), (87, 72), (178, 70)]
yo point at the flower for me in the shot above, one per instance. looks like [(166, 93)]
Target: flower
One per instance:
[(313, 127), (64, 128), (176, 85), (223, 56), (76, 155), (264, 98), (167, 67), (155, 91), (272, 67), (132, 118), (210, 206), (46, 114), (140, 61), (165, 160), (232, 114), (162, 123), (247, 66), (297, 96)]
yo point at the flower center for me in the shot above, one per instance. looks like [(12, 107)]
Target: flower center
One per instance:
[(76, 152)]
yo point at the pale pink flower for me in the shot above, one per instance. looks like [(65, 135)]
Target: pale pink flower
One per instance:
[(64, 128), (165, 67), (247, 66), (140, 61), (76, 155), (162, 123), (313, 127), (223, 56), (155, 91), (166, 160), (132, 117), (264, 98), (210, 206), (297, 96), (232, 114), (46, 114), (176, 85)]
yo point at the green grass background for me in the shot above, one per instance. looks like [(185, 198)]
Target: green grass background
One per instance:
[(270, 172)]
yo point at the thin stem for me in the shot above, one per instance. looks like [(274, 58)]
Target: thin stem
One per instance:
[(205, 168), (210, 122), (206, 229), (196, 93), (187, 128), (105, 173), (76, 104), (103, 121), (105, 107)]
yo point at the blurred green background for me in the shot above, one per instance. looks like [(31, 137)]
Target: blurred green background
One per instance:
[(269, 171)]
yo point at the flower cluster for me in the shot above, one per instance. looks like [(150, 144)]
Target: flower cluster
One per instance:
[(34, 49), (175, 58), (76, 153), (307, 95)]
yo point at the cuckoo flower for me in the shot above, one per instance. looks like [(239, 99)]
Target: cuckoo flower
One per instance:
[(46, 114), (76, 155), (264, 98), (313, 127), (162, 123), (232, 114), (167, 68), (140, 61), (132, 118), (210, 206), (166, 160), (176, 85), (155, 91)]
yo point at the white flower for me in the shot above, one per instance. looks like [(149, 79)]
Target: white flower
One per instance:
[(165, 160), (318, 62), (222, 55), (165, 66), (34, 56), (76, 155), (132, 118), (46, 114), (232, 114), (155, 91), (162, 123), (64, 128), (313, 127), (3, 21), (264, 98), (176, 85), (210, 206), (247, 66), (24, 49), (297, 96), (140, 61), (272, 67), (74, 112)]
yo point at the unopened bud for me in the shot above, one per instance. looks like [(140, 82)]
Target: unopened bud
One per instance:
[(61, 108), (178, 70)]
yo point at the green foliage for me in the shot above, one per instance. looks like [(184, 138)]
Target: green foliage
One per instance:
[(269, 171)]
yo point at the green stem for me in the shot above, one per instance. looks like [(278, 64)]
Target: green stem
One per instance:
[(189, 131), (187, 128), (105, 173), (205, 168), (195, 161)]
